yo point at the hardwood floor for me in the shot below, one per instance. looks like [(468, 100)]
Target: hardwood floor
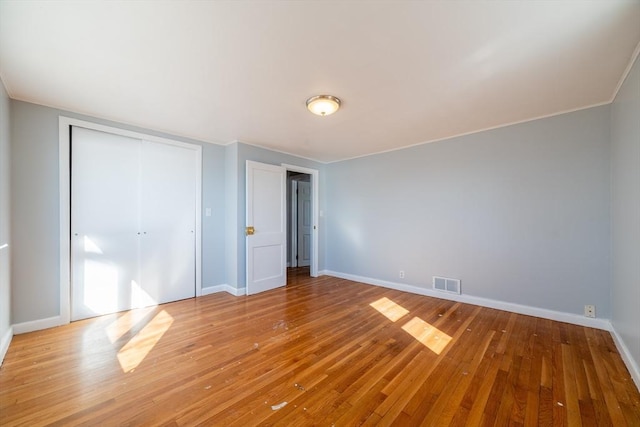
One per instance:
[(337, 352)]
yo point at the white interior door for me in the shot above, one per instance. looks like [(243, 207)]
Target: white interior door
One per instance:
[(104, 226), (167, 213), (304, 224), (265, 216)]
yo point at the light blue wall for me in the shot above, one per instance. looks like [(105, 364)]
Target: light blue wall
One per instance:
[(34, 212), (246, 152), (213, 227), (5, 239), (35, 209), (520, 214), (231, 214), (625, 211)]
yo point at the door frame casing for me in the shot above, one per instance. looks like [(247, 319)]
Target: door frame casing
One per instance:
[(293, 230), (64, 179), (315, 209)]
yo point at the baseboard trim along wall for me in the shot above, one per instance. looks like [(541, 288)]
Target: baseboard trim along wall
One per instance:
[(224, 288), (4, 343), (484, 302), (631, 364), (37, 325), (604, 324), (52, 322), (575, 319)]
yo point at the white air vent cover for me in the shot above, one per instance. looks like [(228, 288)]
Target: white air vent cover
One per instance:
[(446, 284)]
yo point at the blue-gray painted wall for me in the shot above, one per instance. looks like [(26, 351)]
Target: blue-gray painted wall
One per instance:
[(625, 211), (520, 214), (35, 203)]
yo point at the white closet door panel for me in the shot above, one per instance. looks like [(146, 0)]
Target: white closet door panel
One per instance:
[(104, 223), (168, 202)]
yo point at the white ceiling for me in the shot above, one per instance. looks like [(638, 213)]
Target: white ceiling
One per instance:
[(408, 72)]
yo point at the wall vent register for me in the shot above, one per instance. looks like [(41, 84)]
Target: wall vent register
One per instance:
[(445, 284)]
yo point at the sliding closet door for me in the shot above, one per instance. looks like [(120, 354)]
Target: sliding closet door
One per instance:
[(104, 226), (133, 223), (168, 206)]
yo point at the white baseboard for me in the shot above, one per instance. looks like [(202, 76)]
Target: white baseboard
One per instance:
[(632, 366), (224, 288), (4, 343), (36, 325), (52, 322), (484, 302), (575, 319)]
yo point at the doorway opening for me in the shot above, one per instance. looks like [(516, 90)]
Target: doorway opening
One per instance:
[(299, 223), (266, 225)]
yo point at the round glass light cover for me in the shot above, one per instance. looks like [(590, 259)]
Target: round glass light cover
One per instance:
[(323, 105)]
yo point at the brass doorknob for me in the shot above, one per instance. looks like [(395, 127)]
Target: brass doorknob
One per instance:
[(250, 231)]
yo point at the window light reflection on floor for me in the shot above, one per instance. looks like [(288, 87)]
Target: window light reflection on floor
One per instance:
[(389, 309), (432, 337), (125, 323), (428, 335), (134, 352)]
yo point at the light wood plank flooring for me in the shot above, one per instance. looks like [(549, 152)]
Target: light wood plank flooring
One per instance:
[(337, 352)]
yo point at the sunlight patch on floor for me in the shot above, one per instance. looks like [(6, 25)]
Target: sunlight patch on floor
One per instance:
[(428, 335), (432, 337), (125, 323), (134, 352), (389, 309)]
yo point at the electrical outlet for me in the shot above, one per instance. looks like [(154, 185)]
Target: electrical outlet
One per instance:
[(402, 274), (590, 310)]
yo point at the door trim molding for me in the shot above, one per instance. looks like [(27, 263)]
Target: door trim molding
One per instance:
[(315, 209), (293, 238), (64, 180)]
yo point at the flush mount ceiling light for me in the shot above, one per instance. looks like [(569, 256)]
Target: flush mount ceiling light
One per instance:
[(323, 105)]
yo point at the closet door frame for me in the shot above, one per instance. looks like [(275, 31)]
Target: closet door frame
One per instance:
[(65, 124)]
